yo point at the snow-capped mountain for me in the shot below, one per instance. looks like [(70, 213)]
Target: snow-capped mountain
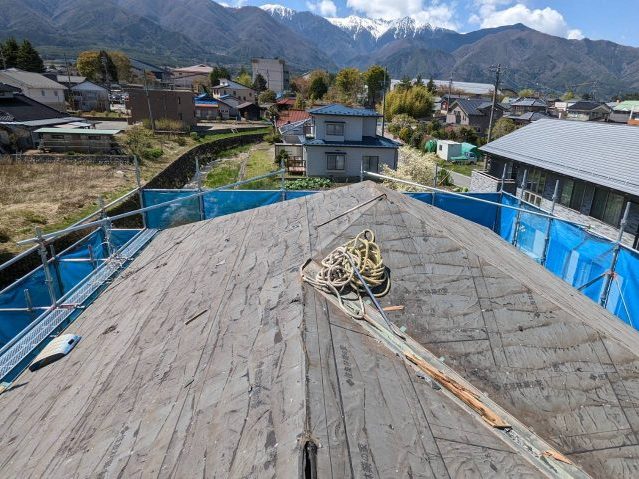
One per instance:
[(279, 11), (355, 25)]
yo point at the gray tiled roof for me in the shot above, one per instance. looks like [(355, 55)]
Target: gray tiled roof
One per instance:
[(16, 77), (473, 106), (601, 153), (373, 141), (341, 110)]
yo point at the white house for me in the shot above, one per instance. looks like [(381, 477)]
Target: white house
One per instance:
[(87, 96), (447, 149), (343, 143), (36, 86)]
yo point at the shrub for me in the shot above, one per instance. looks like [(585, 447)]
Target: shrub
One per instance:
[(152, 153), (194, 136), (413, 165), (180, 140), (309, 184), (273, 137), (405, 134)]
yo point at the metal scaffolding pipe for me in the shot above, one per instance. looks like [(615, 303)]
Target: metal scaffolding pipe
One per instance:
[(555, 197), (605, 292), (521, 197)]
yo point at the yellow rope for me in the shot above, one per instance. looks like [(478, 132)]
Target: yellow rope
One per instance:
[(338, 277)]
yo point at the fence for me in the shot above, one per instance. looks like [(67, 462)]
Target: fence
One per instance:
[(602, 269)]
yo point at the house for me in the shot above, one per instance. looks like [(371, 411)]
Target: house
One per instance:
[(191, 77), (77, 140), (87, 96), (621, 111), (139, 68), (291, 116), (243, 93), (164, 104), (68, 80), (343, 142), (447, 149), (588, 110), (525, 118), (595, 163), (274, 71), (527, 105), (473, 113), (20, 116), (36, 86), (209, 108), (249, 111)]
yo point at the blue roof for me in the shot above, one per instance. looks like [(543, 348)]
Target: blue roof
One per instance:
[(341, 110), (374, 141)]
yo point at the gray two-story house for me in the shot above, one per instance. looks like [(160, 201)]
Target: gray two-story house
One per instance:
[(339, 143)]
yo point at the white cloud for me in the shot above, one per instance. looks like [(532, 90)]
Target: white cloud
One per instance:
[(495, 13), (326, 8), (434, 12)]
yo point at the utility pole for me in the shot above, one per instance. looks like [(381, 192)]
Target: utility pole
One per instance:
[(497, 71), (4, 60), (450, 92), (71, 97), (148, 102), (384, 101)]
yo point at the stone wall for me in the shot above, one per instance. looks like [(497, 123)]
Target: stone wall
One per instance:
[(482, 182), (79, 158)]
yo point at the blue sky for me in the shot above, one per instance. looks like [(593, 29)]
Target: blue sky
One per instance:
[(615, 20)]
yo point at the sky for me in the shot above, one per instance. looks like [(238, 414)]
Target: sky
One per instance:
[(615, 20)]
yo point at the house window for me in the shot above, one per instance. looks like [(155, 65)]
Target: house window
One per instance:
[(57, 137), (55, 92), (335, 161), (607, 206), (370, 163), (457, 117), (42, 92), (94, 137), (179, 101), (180, 116), (335, 129), (537, 181), (572, 194)]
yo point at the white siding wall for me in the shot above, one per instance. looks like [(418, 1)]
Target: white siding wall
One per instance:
[(369, 126), (315, 157), (352, 127), (50, 97)]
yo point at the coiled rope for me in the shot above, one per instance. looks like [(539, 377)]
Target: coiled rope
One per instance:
[(338, 277)]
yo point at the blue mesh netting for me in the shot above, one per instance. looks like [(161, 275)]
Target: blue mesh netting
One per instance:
[(175, 214), (506, 218), (481, 213), (624, 298), (220, 203), (65, 276)]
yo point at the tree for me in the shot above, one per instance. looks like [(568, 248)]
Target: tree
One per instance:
[(9, 50), (259, 84), (97, 66), (502, 127), (415, 101), (29, 59), (468, 135), (243, 77), (527, 92), (569, 95), (122, 65), (586, 96), (430, 86), (300, 103), (349, 84), (377, 80), (404, 84), (267, 96), (219, 73), (419, 81), (318, 88)]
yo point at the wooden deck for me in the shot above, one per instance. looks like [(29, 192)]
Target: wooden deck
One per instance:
[(208, 357)]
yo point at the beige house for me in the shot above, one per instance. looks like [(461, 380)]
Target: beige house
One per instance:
[(232, 88), (190, 77), (36, 86)]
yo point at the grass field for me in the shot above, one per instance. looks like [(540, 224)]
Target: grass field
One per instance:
[(242, 163), (55, 195)]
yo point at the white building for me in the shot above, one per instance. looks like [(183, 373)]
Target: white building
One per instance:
[(274, 71), (187, 77), (87, 96), (447, 149), (36, 86)]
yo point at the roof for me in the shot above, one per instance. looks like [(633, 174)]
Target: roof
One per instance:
[(367, 141), (88, 85), (473, 106), (46, 121), (292, 116), (140, 65), (246, 104), (601, 153), (341, 110), (9, 88), (528, 116), (77, 131), (627, 105), (587, 105), (208, 357), (528, 102), (293, 126), (72, 79), (22, 108), (23, 79), (196, 69), (225, 83), (286, 101)]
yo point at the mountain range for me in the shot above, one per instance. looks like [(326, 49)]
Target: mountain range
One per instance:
[(183, 31)]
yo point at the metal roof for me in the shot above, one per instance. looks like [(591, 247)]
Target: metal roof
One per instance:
[(16, 77), (77, 131), (587, 105), (601, 153), (367, 141), (627, 105), (523, 101), (472, 105), (341, 110)]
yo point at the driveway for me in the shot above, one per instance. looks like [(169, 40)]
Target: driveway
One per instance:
[(459, 179)]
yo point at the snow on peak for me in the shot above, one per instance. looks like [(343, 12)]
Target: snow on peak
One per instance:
[(355, 25), (278, 10)]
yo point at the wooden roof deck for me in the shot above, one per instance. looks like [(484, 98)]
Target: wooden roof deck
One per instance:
[(208, 357)]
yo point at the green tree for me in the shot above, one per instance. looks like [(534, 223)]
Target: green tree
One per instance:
[(318, 88), (469, 135), (586, 96), (419, 81), (97, 66), (9, 50), (259, 84), (377, 80), (430, 86), (416, 102), (502, 127), (300, 103), (404, 84), (527, 92), (267, 96), (350, 84), (217, 74), (29, 59), (244, 77), (569, 95), (122, 65)]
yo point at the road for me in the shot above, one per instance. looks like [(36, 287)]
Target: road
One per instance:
[(459, 179)]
